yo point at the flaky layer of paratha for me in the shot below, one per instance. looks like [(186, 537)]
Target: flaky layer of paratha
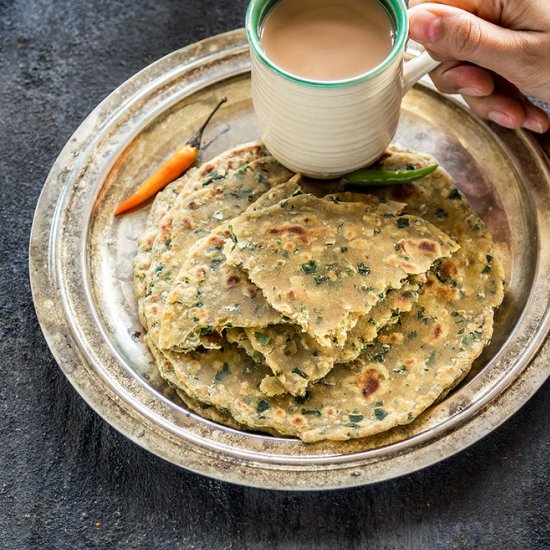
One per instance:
[(297, 360), (221, 196), (155, 239), (209, 295), (325, 264)]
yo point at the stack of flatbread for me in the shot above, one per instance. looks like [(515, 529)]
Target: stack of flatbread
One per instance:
[(280, 306)]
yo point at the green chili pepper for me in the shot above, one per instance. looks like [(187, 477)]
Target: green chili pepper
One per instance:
[(388, 177)]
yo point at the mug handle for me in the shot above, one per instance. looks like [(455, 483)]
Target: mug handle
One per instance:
[(416, 68)]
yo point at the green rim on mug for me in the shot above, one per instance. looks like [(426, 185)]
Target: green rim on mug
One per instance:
[(259, 9)]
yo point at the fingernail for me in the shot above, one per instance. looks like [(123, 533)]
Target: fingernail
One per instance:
[(425, 27), (533, 125), (502, 118), (472, 92)]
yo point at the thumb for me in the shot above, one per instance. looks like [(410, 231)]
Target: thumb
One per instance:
[(454, 34)]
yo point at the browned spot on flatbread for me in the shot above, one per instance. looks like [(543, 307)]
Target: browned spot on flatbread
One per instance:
[(368, 382), (446, 292), (293, 229), (217, 241), (395, 261), (200, 273), (250, 291), (232, 281), (214, 338), (425, 246), (403, 299), (428, 246), (394, 337), (167, 226), (186, 222), (402, 192), (448, 268)]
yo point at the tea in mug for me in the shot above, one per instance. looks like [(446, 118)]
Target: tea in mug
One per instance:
[(327, 40)]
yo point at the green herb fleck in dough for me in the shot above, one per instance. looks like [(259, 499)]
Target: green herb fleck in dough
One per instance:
[(344, 249), (299, 372), (302, 398), (310, 267), (264, 339), (355, 418), (402, 369), (262, 406), (430, 360), (420, 315), (402, 223), (222, 373), (307, 412), (363, 269), (455, 195), (320, 279), (486, 269), (380, 414), (206, 330)]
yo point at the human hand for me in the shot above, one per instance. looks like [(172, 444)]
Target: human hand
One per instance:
[(492, 52)]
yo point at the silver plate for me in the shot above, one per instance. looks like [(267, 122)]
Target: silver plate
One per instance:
[(80, 265)]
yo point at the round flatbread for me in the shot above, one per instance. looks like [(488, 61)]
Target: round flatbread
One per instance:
[(411, 363)]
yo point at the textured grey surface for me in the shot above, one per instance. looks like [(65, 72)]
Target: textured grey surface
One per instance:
[(67, 479)]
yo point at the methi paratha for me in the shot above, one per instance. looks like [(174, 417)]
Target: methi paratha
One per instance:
[(346, 252), (148, 246), (209, 412), (297, 360), (221, 196), (209, 295), (411, 364)]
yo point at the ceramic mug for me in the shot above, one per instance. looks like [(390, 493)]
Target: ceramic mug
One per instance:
[(328, 129)]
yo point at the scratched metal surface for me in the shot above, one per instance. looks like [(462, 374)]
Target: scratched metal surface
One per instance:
[(79, 471)]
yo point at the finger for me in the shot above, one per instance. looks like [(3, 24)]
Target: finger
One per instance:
[(518, 14), (499, 108), (486, 10), (536, 119), (510, 112), (459, 78), (452, 33)]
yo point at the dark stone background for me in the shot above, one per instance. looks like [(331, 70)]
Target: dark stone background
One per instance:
[(67, 479)]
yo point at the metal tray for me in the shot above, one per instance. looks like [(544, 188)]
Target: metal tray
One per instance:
[(80, 266)]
